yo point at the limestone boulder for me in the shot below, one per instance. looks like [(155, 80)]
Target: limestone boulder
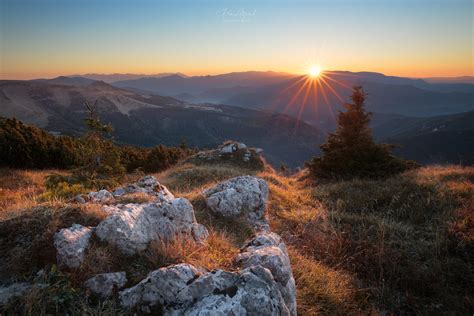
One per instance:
[(104, 284), (243, 195), (133, 226), (71, 244)]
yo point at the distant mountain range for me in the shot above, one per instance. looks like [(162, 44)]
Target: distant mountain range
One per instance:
[(57, 105), (317, 101), (117, 77), (432, 119)]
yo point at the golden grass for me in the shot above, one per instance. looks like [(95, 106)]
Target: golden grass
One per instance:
[(357, 247), (217, 253), (20, 189), (322, 290)]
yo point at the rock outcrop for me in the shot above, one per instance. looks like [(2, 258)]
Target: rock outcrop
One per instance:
[(234, 152), (148, 185), (260, 288), (133, 226), (104, 284), (262, 283), (244, 195), (269, 251), (71, 244)]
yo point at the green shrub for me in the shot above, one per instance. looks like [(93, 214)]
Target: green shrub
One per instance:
[(351, 151)]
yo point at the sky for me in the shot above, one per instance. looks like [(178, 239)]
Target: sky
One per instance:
[(47, 38)]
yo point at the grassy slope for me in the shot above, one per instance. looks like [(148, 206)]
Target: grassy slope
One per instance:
[(403, 244)]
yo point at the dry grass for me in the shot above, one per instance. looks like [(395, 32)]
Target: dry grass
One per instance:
[(217, 253), (187, 177), (20, 189), (401, 245), (406, 241)]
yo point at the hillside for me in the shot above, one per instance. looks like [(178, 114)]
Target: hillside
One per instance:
[(401, 245), (149, 120)]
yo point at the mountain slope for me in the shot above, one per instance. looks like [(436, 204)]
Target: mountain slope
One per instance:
[(149, 120), (439, 139)]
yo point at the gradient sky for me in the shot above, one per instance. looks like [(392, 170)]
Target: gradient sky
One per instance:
[(46, 38)]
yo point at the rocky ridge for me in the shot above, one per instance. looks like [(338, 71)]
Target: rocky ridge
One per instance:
[(261, 284)]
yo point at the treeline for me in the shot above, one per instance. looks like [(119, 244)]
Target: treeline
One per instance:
[(25, 146)]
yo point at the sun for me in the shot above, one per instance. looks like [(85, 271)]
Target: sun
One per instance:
[(314, 71)]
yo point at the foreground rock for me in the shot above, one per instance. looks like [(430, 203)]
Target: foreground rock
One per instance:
[(133, 226), (159, 287), (148, 185), (104, 284), (263, 287), (244, 195), (269, 251), (71, 244)]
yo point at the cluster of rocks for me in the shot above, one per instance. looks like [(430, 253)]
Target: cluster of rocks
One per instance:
[(131, 227), (263, 286), (231, 151), (263, 283), (147, 185)]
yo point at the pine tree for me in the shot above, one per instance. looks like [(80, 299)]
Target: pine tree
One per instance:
[(101, 165), (351, 151)]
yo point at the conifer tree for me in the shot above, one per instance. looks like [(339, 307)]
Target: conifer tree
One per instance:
[(101, 158), (351, 151)]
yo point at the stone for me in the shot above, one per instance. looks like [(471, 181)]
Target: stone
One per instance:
[(104, 284), (161, 286), (148, 185), (199, 232), (254, 293), (102, 196), (243, 195), (71, 244), (268, 250), (181, 290), (135, 225), (264, 285), (11, 291), (119, 192), (148, 181), (79, 199)]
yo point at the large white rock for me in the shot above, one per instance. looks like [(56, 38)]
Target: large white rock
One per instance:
[(269, 251), (265, 285), (71, 244), (135, 225), (243, 195), (161, 286), (105, 283)]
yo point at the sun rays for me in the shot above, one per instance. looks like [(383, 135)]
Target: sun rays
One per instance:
[(311, 92)]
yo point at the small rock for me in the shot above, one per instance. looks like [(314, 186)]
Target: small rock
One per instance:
[(71, 244), (105, 283), (148, 181), (79, 199), (13, 290), (119, 192), (241, 195), (102, 196)]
